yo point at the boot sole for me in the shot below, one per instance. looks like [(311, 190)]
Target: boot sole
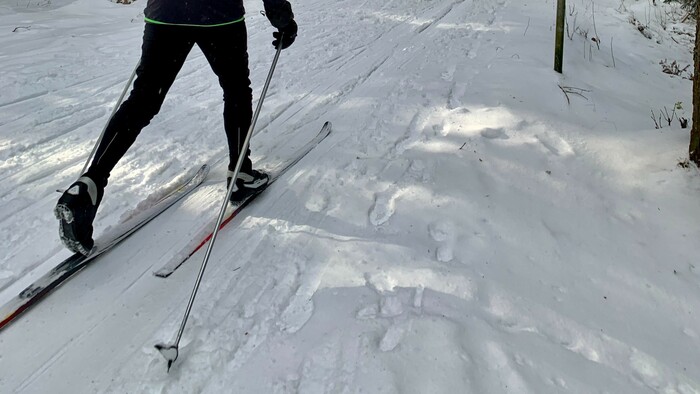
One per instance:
[(67, 232), (247, 190)]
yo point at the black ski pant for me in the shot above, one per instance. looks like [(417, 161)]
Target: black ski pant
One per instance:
[(164, 51)]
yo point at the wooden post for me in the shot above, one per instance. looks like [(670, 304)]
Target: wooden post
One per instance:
[(694, 150), (559, 39)]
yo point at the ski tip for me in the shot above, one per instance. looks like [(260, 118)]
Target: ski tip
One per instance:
[(204, 170), (7, 319), (162, 274), (325, 131)]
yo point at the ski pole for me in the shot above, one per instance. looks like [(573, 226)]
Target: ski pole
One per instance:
[(114, 111), (171, 352)]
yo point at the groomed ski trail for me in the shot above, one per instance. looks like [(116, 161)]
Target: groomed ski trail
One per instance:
[(271, 289)]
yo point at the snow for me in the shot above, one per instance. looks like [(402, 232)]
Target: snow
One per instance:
[(464, 228)]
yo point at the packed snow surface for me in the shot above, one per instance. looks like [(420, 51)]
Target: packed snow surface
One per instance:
[(475, 223)]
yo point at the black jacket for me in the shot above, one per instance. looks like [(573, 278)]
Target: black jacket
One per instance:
[(212, 12)]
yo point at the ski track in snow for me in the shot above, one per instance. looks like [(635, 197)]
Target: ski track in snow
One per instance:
[(430, 244)]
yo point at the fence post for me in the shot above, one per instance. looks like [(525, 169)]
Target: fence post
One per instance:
[(559, 40)]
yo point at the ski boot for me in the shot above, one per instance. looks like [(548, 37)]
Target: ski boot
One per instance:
[(248, 183), (76, 211)]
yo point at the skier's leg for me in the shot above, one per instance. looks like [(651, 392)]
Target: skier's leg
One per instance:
[(226, 49), (164, 51)]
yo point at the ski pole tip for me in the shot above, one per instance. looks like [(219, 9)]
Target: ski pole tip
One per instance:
[(169, 352)]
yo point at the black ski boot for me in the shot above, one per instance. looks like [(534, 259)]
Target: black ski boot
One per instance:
[(76, 211), (248, 183)]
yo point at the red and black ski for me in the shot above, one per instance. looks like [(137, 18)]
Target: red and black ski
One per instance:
[(170, 267), (72, 265)]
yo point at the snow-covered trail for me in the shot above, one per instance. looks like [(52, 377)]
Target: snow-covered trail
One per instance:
[(460, 231), (295, 113)]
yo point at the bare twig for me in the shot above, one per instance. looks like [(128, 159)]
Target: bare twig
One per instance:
[(611, 51), (685, 18), (568, 101), (573, 90), (622, 7), (596, 39), (667, 116), (653, 117), (570, 34), (527, 27), (673, 68)]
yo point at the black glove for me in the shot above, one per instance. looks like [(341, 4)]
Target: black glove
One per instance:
[(286, 35), (279, 12)]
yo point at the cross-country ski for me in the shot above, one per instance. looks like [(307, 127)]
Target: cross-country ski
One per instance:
[(72, 265), (196, 244)]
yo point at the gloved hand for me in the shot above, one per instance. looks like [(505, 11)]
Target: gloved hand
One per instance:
[(287, 35), (279, 12)]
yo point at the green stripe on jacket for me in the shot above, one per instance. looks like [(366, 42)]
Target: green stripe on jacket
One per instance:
[(155, 22)]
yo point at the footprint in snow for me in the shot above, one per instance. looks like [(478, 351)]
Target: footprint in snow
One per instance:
[(5, 274), (441, 129), (297, 313), (419, 171), (384, 207), (390, 306), (393, 336), (368, 312), (318, 202), (492, 134), (443, 232), (449, 74), (418, 297), (690, 333), (555, 144)]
